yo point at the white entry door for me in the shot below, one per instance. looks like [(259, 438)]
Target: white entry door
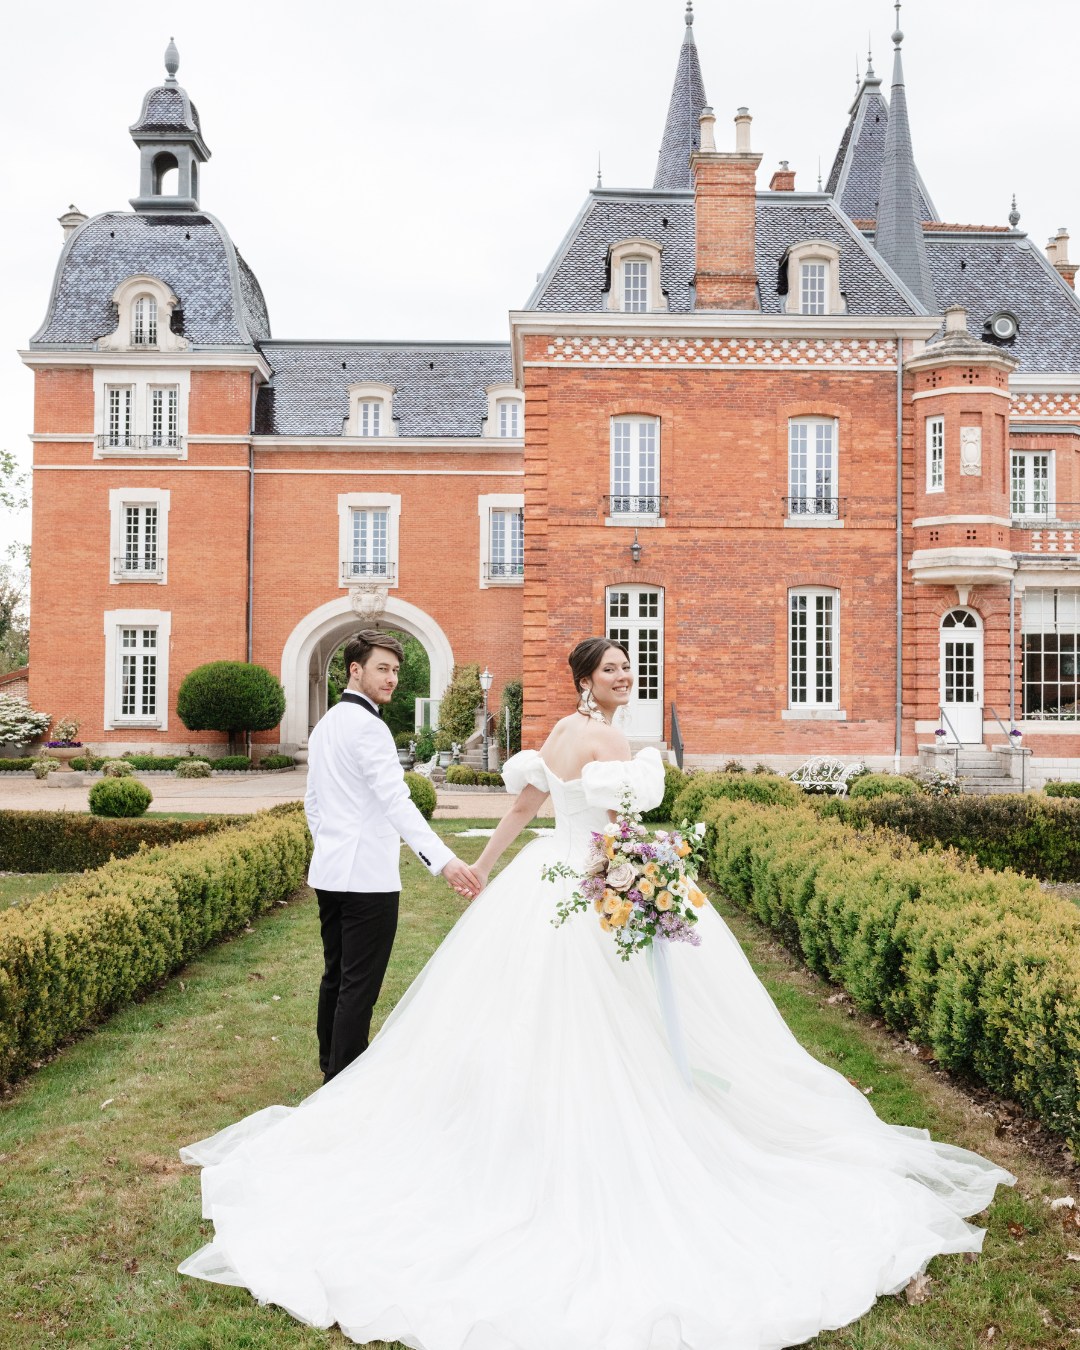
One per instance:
[(962, 677), (635, 617)]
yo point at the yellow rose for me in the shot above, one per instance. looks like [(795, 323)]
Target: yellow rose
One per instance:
[(650, 869), (621, 914), (599, 905), (697, 897), (663, 900), (604, 924), (609, 849), (646, 887), (611, 899), (683, 849)]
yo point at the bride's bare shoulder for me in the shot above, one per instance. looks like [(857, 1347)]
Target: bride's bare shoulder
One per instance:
[(608, 742)]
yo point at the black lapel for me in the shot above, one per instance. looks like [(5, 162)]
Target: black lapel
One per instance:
[(349, 697)]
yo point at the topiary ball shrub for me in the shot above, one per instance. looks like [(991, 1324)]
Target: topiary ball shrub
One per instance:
[(881, 785), (461, 773), (422, 791), (119, 797), (674, 782), (230, 696), (1062, 789), (193, 768), (117, 768)]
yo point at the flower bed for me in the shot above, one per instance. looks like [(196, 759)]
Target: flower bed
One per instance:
[(982, 967), (77, 953)]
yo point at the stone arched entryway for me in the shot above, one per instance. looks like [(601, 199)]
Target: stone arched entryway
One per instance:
[(311, 644)]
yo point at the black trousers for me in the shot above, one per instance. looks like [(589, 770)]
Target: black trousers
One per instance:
[(358, 929)]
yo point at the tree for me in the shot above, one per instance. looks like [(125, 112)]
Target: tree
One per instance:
[(232, 696), (457, 711), (14, 622), (511, 703)]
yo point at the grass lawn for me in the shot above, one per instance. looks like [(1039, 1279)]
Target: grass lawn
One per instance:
[(16, 886), (98, 1209)]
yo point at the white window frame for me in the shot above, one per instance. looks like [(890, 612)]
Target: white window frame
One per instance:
[(497, 396), (115, 621), (807, 506), (638, 486), (813, 703), (1030, 510), (935, 454), (126, 297), (820, 251), (119, 500), (1051, 611), (348, 502), (637, 250), (141, 381), (359, 394), (144, 321), (486, 504)]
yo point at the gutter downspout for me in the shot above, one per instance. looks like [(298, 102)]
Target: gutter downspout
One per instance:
[(899, 552), (1012, 652), (251, 526)]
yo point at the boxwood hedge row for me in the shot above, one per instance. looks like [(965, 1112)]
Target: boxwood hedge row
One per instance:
[(982, 967), (69, 841), (77, 953)]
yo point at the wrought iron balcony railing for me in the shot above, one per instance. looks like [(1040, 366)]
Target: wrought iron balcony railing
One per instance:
[(139, 567), (1059, 512), (635, 504), (814, 506), (504, 571), (123, 440), (358, 570)]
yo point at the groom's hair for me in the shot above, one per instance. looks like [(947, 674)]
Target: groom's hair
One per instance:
[(360, 647)]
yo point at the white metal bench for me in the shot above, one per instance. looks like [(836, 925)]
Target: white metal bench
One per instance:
[(426, 770), (823, 773)]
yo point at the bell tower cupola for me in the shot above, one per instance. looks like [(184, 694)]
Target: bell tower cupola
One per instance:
[(171, 146)]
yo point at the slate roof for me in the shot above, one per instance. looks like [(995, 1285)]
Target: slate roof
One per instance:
[(221, 301), (855, 179), (168, 108), (439, 387), (899, 234), (577, 278), (682, 128), (996, 272)]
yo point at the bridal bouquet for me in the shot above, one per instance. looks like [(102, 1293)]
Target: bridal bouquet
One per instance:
[(642, 883)]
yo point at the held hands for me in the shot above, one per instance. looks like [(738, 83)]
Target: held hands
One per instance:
[(463, 879)]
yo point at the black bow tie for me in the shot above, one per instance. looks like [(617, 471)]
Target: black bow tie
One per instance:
[(349, 697)]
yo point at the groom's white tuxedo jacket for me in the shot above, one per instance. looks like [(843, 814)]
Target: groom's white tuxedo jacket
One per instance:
[(358, 806)]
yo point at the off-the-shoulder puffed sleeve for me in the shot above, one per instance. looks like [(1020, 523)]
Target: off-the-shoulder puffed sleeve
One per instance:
[(605, 780), (525, 769)]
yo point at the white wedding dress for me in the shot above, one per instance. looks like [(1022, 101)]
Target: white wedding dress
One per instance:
[(517, 1163)]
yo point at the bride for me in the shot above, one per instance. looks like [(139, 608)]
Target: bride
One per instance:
[(518, 1163)]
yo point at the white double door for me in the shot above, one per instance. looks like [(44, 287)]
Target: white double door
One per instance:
[(635, 617), (961, 670)]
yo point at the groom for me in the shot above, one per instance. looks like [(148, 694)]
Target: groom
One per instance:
[(359, 809)]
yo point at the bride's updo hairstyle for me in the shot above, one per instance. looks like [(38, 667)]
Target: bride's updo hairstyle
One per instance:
[(587, 655)]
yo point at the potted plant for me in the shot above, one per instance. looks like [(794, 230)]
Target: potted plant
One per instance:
[(445, 746), (64, 746), (406, 748)]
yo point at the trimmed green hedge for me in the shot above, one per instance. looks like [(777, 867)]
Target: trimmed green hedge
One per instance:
[(77, 953), (231, 762), (1051, 789), (674, 782), (147, 763), (68, 841), (1030, 833), (984, 968), (423, 793), (882, 785), (16, 765), (461, 773), (768, 789), (276, 762)]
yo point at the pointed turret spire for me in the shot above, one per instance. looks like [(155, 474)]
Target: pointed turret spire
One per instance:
[(169, 138), (681, 129), (899, 235)]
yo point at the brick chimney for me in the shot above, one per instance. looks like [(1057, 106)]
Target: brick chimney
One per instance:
[(1057, 250), (725, 186), (783, 179)]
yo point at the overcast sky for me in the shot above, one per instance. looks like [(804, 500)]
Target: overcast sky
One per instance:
[(405, 169)]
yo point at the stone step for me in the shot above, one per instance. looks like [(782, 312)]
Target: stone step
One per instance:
[(988, 787)]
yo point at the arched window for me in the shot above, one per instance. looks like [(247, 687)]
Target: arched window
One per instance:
[(813, 279), (812, 468), (813, 645), (370, 410), (635, 277), (505, 412), (144, 322), (635, 469)]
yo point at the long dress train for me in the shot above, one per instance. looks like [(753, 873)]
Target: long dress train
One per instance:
[(517, 1163)]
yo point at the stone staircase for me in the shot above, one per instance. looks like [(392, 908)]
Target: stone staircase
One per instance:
[(980, 772)]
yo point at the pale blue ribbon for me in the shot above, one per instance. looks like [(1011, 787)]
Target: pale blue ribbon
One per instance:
[(669, 1006)]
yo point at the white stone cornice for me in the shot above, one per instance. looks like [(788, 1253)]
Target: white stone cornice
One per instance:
[(961, 520), (1055, 382), (964, 389), (189, 360), (486, 445), (962, 566)]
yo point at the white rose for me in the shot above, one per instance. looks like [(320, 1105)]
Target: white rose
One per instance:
[(621, 878)]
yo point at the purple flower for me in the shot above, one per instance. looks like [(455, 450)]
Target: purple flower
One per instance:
[(635, 896)]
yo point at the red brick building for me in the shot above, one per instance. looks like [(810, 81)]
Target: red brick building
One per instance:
[(810, 453)]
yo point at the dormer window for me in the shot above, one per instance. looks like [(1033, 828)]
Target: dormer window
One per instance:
[(144, 322), (813, 279), (370, 407), (635, 277), (505, 412), (144, 312)]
